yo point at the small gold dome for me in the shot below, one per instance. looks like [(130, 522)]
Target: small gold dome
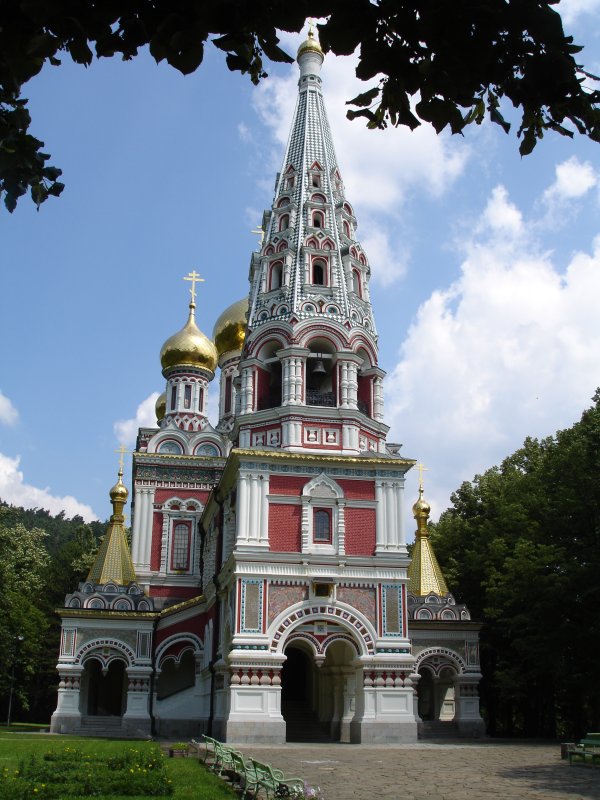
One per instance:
[(421, 508), (119, 492), (189, 348), (230, 329), (161, 407), (310, 45)]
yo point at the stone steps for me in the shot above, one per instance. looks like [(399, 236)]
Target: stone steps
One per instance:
[(302, 724)]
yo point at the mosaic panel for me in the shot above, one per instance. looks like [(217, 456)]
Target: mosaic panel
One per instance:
[(252, 601), (360, 598), (282, 597), (392, 610)]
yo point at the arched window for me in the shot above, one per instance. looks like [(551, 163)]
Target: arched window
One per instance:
[(362, 259), (318, 198), (327, 244), (318, 219), (170, 447), (313, 243), (319, 272), (269, 251), (322, 526), (180, 550), (346, 227), (276, 275), (284, 201), (282, 246), (284, 222), (356, 283)]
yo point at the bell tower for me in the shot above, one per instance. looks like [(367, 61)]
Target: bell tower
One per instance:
[(309, 374)]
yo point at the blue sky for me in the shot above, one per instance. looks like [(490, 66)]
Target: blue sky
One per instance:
[(486, 266)]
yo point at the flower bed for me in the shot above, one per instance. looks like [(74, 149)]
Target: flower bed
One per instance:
[(72, 773)]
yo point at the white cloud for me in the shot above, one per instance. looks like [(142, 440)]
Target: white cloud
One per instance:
[(573, 179), (390, 260), (14, 490), (571, 10), (145, 417), (393, 163), (511, 349), (8, 413), (244, 132), (502, 215)]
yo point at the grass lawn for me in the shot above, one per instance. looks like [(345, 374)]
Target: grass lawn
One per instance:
[(190, 780)]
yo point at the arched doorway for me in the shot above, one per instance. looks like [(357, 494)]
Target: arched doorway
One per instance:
[(318, 693), (104, 689), (426, 696), (298, 682)]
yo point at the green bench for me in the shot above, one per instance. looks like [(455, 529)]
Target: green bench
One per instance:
[(586, 751), (250, 775)]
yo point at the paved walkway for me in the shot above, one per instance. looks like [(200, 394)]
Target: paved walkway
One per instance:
[(429, 771)]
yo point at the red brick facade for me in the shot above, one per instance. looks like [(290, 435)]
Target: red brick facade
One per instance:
[(284, 528), (360, 531)]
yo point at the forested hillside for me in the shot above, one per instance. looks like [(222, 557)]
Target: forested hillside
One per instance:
[(521, 546), (41, 559)]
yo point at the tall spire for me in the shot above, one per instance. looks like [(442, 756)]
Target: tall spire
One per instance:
[(311, 342), (113, 563), (424, 573), (311, 264)]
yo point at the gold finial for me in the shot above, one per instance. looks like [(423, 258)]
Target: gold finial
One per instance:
[(422, 468), (259, 232), (123, 452), (311, 27), (195, 278)]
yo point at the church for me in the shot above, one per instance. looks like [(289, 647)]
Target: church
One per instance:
[(268, 594)]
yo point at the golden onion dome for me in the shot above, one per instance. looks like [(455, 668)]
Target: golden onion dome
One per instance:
[(310, 45), (230, 329), (189, 347), (421, 508), (161, 407), (119, 492)]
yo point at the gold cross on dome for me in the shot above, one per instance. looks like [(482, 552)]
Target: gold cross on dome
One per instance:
[(123, 451), (259, 232), (422, 468), (311, 27), (195, 278)]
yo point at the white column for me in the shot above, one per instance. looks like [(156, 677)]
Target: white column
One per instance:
[(286, 380), (135, 533), (242, 515), (341, 528), (378, 398), (391, 516), (254, 532), (264, 510), (352, 385), (344, 385), (380, 516), (401, 537)]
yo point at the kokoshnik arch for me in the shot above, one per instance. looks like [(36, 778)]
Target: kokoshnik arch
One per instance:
[(268, 592)]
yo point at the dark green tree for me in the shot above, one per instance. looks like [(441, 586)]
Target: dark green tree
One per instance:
[(520, 546), (448, 64)]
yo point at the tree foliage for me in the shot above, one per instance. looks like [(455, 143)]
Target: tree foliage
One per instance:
[(42, 557), (447, 64), (521, 547)]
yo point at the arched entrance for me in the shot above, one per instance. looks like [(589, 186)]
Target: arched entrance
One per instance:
[(103, 689), (318, 693), (438, 691), (298, 681)]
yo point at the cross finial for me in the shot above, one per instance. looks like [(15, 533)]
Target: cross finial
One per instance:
[(123, 451), (311, 27), (195, 278), (422, 468), (260, 232)]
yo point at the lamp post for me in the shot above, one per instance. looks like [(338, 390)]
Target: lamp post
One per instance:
[(18, 640)]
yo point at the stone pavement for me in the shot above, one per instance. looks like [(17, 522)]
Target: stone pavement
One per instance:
[(455, 770)]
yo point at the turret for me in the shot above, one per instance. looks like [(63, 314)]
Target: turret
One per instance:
[(309, 374)]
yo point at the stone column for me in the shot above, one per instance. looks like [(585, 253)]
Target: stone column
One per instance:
[(67, 716), (136, 719)]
